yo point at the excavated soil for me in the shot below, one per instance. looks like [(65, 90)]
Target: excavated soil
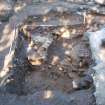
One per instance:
[(59, 74), (68, 59)]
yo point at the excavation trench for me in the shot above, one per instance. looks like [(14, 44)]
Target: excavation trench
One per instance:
[(51, 58)]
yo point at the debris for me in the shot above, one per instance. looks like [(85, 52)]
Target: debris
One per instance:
[(83, 83)]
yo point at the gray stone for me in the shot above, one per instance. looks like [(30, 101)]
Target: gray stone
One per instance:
[(83, 83), (6, 10), (101, 2)]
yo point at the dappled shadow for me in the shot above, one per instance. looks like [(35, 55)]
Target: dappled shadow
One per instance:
[(64, 58)]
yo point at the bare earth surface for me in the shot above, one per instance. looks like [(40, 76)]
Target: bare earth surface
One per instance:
[(52, 82)]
